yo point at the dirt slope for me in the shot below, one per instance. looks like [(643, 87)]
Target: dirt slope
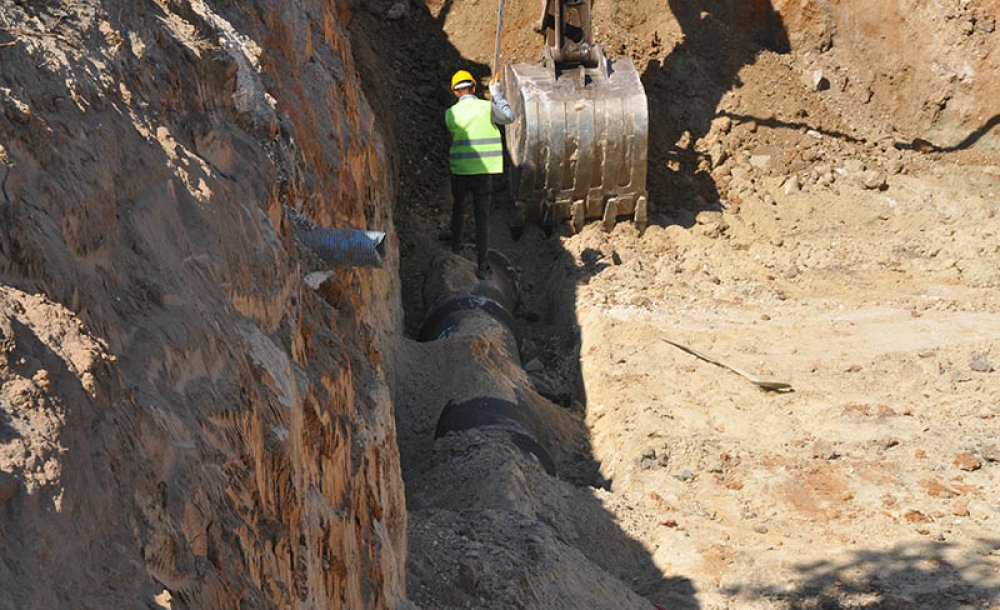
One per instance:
[(185, 424)]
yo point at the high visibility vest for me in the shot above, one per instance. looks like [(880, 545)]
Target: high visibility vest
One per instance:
[(476, 147)]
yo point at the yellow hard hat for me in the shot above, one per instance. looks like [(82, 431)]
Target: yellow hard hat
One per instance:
[(460, 78)]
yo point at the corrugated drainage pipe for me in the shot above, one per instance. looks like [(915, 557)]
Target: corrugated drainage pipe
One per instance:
[(345, 247)]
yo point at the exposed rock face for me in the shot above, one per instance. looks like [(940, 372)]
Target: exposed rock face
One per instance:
[(179, 411)]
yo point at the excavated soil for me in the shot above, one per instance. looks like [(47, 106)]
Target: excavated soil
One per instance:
[(824, 177)]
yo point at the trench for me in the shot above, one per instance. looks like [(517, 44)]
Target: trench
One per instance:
[(506, 504)]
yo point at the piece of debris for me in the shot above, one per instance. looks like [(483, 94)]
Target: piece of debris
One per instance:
[(873, 179), (686, 475), (980, 363), (822, 450), (968, 462), (815, 80), (397, 11), (534, 366)]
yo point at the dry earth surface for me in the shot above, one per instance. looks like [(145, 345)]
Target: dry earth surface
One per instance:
[(825, 216), (184, 423)]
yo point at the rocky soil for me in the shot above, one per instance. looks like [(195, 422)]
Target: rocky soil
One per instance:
[(184, 423)]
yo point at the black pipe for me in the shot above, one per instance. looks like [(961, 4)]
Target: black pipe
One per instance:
[(443, 321), (486, 413), (462, 304)]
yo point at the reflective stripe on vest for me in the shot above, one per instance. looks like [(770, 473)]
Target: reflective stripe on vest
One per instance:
[(476, 147)]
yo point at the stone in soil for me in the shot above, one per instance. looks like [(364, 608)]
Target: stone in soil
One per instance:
[(968, 462), (980, 363)]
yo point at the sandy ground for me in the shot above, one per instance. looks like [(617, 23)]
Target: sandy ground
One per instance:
[(878, 476), (798, 234)]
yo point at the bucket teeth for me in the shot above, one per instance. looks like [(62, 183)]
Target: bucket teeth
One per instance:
[(578, 144), (641, 218), (579, 215)]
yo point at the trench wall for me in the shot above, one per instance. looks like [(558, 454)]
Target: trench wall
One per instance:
[(184, 423)]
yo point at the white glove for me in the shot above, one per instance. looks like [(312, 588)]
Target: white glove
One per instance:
[(496, 89)]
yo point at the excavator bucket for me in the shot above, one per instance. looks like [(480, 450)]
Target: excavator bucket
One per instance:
[(578, 144)]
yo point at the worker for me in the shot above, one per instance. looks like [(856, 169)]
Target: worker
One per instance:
[(476, 156)]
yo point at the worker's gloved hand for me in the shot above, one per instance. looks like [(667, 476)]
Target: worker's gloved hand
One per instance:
[(496, 88)]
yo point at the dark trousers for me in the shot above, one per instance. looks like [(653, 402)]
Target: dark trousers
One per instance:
[(481, 187)]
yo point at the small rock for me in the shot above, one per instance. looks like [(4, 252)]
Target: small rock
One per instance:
[(792, 185), (468, 576), (816, 80), (8, 486), (687, 476), (991, 452), (968, 462), (888, 443), (960, 376), (713, 223), (709, 218), (853, 166), (534, 366), (980, 363), (397, 11), (760, 161), (648, 459), (960, 508), (740, 174), (760, 528), (872, 179), (822, 450), (915, 516)]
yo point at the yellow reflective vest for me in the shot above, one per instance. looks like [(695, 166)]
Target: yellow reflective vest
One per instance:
[(476, 147)]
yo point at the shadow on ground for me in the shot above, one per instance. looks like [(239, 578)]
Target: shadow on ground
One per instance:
[(906, 577), (967, 142), (408, 64), (720, 37)]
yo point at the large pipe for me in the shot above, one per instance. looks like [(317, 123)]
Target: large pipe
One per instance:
[(460, 304), (488, 413)]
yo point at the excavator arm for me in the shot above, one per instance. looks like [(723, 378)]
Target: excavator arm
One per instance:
[(578, 145)]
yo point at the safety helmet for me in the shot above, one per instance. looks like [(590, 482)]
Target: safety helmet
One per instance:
[(462, 79)]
